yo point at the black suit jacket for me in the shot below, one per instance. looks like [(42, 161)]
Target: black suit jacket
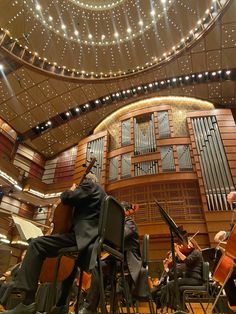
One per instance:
[(86, 201), (132, 249)]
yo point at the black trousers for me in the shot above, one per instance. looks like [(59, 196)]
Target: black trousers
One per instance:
[(39, 249), (168, 292), (230, 288), (93, 296)]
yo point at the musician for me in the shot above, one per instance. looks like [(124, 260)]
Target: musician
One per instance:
[(133, 264), (223, 235), (10, 277), (191, 257), (230, 286), (86, 201), (166, 276)]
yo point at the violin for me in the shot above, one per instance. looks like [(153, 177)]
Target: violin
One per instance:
[(186, 250)]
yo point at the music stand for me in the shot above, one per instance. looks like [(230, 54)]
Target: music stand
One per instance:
[(174, 231)]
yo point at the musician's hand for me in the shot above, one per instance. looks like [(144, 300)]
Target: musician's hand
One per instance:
[(176, 248), (231, 197), (74, 186)]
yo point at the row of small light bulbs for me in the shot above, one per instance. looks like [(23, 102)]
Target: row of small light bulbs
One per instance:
[(84, 74), (165, 57), (150, 87), (102, 42), (96, 6)]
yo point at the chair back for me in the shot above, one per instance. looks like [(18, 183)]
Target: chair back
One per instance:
[(205, 272), (145, 250), (111, 223)]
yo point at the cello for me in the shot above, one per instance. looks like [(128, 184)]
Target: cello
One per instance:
[(61, 218), (225, 265)]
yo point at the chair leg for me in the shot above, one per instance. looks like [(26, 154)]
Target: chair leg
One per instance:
[(79, 291), (101, 285), (126, 290), (151, 307), (54, 285), (113, 295)]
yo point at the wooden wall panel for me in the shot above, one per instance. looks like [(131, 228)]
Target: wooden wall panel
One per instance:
[(30, 162), (6, 147), (65, 165)]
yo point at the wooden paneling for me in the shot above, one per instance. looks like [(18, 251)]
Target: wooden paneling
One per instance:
[(30, 162), (60, 168), (6, 147)]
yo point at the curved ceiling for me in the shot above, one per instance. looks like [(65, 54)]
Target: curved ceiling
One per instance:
[(106, 38), (52, 115)]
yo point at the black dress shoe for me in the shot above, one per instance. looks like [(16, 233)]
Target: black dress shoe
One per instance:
[(59, 310), (23, 309), (83, 310)]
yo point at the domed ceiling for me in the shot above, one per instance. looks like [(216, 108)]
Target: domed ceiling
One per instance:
[(106, 38), (65, 65)]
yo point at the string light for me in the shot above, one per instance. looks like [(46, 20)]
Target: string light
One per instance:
[(143, 26)]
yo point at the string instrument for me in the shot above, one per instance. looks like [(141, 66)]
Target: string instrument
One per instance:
[(186, 250), (61, 223), (225, 265)]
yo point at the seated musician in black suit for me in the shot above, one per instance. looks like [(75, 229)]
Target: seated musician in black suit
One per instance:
[(192, 260), (86, 200), (133, 263), (230, 285)]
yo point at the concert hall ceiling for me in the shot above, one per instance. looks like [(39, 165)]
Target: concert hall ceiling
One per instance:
[(66, 65)]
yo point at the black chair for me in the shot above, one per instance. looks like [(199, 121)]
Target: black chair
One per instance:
[(53, 288), (142, 292), (198, 294), (111, 241)]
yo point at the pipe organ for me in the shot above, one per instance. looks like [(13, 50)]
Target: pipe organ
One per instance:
[(144, 134), (184, 158), (125, 132), (125, 165), (95, 149), (113, 169), (163, 124), (146, 168), (189, 171), (216, 174), (167, 158)]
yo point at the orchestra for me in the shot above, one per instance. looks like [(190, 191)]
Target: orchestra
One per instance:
[(117, 157), (187, 264)]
